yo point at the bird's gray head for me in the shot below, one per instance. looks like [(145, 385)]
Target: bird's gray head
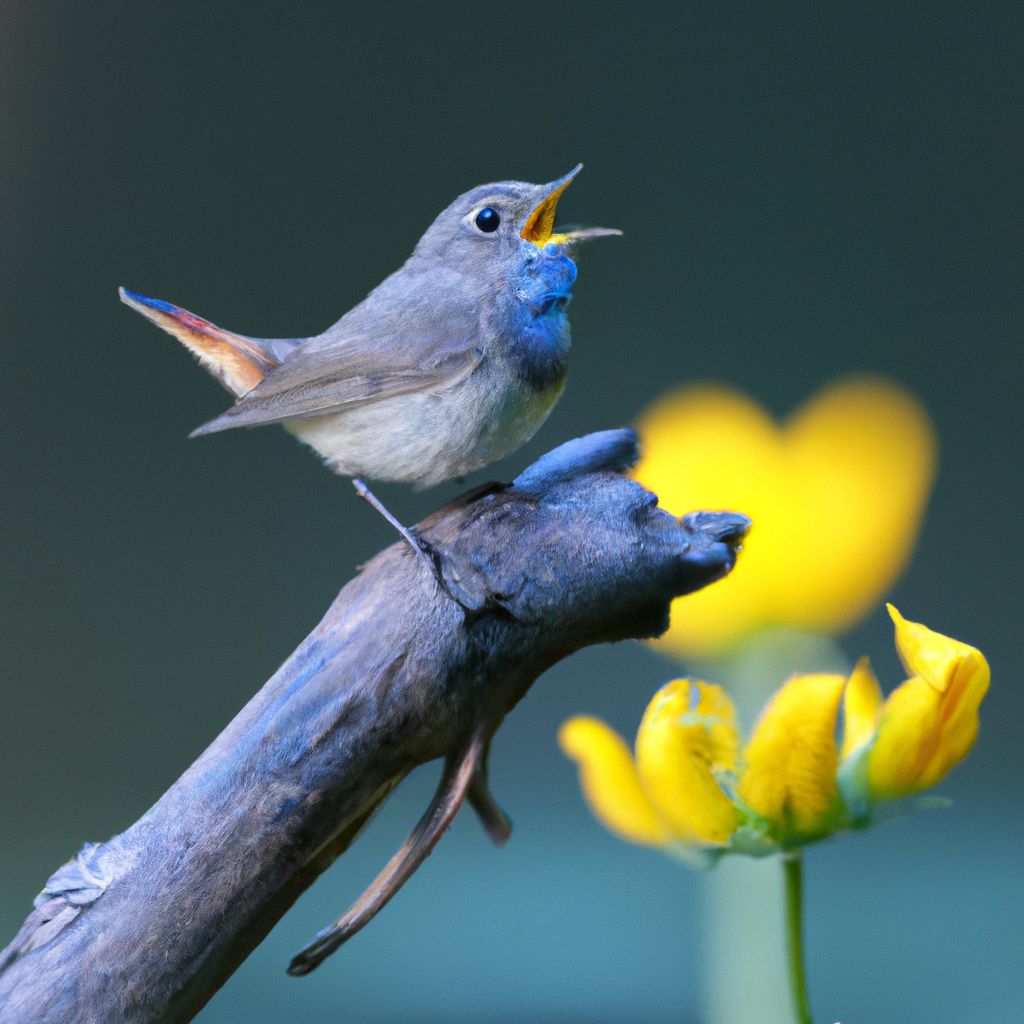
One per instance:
[(498, 221)]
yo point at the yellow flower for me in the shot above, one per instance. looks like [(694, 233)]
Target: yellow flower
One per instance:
[(687, 788), (836, 495), (669, 793)]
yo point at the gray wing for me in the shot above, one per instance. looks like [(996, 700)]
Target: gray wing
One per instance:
[(389, 345)]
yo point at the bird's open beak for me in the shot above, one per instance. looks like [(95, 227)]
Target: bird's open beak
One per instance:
[(539, 226)]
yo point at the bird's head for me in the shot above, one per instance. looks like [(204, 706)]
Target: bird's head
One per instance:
[(502, 219)]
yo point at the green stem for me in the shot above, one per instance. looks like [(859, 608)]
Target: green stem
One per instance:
[(793, 865)]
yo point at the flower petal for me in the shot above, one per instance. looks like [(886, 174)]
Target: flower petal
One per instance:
[(929, 724), (791, 760), (688, 734), (609, 781), (937, 659), (862, 699)]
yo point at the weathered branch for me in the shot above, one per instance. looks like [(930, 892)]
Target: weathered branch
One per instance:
[(147, 926)]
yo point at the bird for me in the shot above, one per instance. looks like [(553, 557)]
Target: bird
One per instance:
[(451, 363)]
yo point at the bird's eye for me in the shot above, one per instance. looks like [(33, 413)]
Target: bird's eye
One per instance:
[(487, 220)]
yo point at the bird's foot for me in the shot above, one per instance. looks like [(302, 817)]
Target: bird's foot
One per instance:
[(424, 550)]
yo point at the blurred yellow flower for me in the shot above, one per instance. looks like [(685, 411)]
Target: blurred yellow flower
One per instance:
[(836, 495), (689, 790)]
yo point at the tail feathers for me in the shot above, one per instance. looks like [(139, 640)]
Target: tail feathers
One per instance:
[(238, 362)]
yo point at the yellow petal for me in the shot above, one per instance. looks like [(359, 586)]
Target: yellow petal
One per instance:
[(861, 700), (929, 724), (609, 781), (937, 659), (688, 733), (791, 760), (836, 496)]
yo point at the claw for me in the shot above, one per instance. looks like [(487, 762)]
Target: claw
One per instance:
[(426, 552)]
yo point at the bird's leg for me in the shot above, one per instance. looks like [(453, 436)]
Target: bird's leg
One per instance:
[(426, 552), (481, 799), (375, 503), (451, 792)]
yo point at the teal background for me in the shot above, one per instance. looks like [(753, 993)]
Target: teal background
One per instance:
[(805, 190)]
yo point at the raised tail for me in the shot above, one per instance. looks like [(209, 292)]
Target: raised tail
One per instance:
[(238, 362)]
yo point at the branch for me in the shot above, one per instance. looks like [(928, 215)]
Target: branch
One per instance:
[(146, 927)]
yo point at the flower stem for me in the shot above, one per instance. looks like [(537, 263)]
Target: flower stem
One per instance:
[(793, 865)]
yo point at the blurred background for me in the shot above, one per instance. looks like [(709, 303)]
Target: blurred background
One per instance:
[(804, 192)]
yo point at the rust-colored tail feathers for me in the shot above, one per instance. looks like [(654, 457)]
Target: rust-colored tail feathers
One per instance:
[(238, 362)]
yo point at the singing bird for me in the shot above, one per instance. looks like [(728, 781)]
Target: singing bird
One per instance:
[(454, 361)]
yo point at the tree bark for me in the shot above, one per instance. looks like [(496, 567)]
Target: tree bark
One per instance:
[(408, 665)]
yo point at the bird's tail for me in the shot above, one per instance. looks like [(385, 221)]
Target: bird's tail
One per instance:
[(238, 362)]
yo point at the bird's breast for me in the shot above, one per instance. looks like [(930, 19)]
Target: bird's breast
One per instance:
[(513, 405), (425, 438)]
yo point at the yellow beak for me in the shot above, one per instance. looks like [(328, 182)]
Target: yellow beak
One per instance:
[(538, 227)]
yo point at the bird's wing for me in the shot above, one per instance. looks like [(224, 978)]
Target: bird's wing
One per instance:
[(351, 366)]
